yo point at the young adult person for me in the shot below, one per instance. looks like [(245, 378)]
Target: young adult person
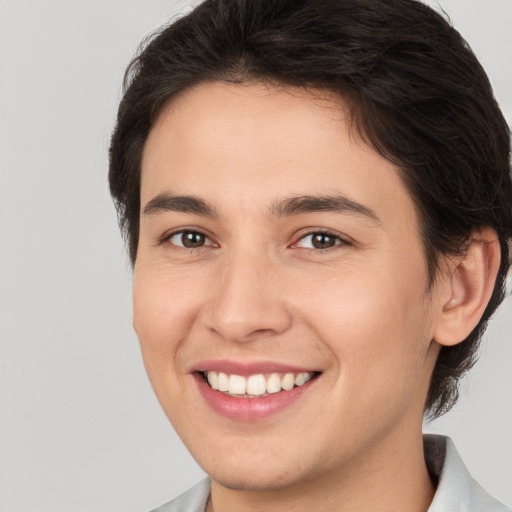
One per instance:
[(317, 200)]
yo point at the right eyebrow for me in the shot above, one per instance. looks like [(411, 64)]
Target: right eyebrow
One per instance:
[(310, 204), (165, 202)]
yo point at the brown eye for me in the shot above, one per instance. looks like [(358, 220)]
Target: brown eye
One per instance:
[(319, 240), (323, 241), (189, 239), (192, 239)]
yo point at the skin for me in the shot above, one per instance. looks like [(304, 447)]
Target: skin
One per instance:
[(258, 290)]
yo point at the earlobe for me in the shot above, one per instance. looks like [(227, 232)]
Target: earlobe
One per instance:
[(468, 287)]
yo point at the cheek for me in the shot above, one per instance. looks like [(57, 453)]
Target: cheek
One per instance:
[(375, 326), (162, 313)]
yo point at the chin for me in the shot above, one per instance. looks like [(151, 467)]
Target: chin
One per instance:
[(253, 480), (265, 472)]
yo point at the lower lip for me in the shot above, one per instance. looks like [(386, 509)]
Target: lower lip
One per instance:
[(250, 409)]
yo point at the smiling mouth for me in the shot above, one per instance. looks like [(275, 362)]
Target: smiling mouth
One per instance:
[(256, 386)]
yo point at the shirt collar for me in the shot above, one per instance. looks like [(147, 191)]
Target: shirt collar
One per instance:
[(457, 489)]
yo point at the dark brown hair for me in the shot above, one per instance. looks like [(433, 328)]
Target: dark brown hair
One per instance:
[(416, 92)]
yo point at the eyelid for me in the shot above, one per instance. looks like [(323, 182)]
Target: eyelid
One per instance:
[(166, 237), (341, 240)]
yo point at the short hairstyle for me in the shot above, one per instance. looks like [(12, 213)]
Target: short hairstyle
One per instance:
[(415, 92)]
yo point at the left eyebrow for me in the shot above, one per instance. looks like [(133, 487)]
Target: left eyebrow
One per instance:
[(312, 204), (186, 204)]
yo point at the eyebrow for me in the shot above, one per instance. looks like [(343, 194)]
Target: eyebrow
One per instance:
[(311, 204), (299, 205), (185, 204)]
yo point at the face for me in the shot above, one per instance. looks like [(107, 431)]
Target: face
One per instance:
[(280, 259)]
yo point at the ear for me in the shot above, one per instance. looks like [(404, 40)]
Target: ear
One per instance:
[(466, 287)]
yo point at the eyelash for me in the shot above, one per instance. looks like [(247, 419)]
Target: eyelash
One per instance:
[(168, 237), (339, 241)]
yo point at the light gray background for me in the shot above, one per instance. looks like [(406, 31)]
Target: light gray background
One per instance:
[(80, 428)]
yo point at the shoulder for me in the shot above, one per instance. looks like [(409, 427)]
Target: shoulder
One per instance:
[(457, 489), (193, 500)]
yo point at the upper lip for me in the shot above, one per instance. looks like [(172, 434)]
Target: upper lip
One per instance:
[(246, 369)]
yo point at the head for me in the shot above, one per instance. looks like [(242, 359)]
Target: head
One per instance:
[(401, 80)]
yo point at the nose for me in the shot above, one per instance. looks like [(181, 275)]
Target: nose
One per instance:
[(249, 303)]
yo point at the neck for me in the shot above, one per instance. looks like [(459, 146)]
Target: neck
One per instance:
[(391, 477)]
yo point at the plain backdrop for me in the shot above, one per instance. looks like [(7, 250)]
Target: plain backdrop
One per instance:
[(80, 428)]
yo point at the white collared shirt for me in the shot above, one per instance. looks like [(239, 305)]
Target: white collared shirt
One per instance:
[(457, 490)]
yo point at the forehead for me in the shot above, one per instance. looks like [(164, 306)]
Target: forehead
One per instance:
[(217, 119), (233, 142)]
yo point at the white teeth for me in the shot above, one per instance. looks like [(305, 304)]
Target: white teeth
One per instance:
[(274, 383), (237, 385), (256, 385), (300, 379), (223, 382), (288, 381), (213, 380)]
